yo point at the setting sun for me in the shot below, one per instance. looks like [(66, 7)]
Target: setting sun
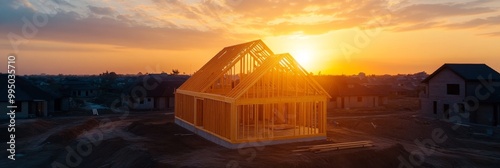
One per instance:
[(314, 53), (303, 56)]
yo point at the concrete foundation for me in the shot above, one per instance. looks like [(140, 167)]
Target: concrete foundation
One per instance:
[(230, 145)]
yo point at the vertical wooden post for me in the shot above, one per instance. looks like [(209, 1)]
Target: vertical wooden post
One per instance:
[(303, 118), (308, 108), (325, 120), (247, 115), (295, 119), (256, 120), (195, 118), (273, 118)]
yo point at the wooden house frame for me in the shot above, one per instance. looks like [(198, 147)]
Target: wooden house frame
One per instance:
[(248, 96)]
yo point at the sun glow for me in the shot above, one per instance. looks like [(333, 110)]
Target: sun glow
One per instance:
[(303, 55), (315, 53)]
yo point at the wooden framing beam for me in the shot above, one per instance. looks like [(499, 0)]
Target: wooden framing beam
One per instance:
[(279, 100), (215, 76), (207, 96), (234, 122)]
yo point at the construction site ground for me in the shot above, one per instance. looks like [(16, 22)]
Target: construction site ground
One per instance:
[(403, 137)]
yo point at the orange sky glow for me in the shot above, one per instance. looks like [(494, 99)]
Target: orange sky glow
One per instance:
[(327, 37)]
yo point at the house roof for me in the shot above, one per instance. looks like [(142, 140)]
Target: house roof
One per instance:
[(225, 59), (468, 72), (75, 84), (264, 60), (25, 90), (340, 86), (165, 84), (353, 89), (493, 98)]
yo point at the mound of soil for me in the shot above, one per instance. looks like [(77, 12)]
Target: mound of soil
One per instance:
[(168, 138), (138, 128), (114, 152), (68, 135), (365, 158), (117, 152), (408, 128), (26, 130)]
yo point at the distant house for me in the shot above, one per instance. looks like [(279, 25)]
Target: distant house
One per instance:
[(350, 95), (60, 103), (159, 89), (347, 96), (78, 89), (405, 88), (456, 92), (75, 92), (30, 100)]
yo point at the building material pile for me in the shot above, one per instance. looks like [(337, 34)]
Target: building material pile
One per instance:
[(334, 146)]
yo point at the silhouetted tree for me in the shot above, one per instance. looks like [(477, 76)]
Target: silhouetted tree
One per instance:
[(107, 80), (175, 72)]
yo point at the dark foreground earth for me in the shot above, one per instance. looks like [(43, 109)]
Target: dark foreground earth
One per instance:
[(151, 139)]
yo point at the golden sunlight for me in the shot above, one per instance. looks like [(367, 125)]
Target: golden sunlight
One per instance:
[(313, 52), (303, 55)]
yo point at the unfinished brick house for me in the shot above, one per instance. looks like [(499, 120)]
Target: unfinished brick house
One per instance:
[(248, 96)]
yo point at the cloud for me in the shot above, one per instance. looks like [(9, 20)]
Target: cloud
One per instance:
[(121, 31), (479, 2), (64, 3), (489, 21), (309, 17), (177, 25), (428, 12), (322, 18), (101, 10), (417, 26), (8, 14), (266, 17), (492, 34), (426, 16)]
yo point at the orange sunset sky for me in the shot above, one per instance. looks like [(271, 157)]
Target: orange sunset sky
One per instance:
[(331, 37)]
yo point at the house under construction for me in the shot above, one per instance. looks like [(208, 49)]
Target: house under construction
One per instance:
[(248, 96)]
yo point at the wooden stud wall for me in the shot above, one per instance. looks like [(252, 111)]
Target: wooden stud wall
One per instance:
[(264, 121), (184, 107), (216, 117)]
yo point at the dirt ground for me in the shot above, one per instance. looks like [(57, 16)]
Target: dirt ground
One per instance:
[(151, 139)]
